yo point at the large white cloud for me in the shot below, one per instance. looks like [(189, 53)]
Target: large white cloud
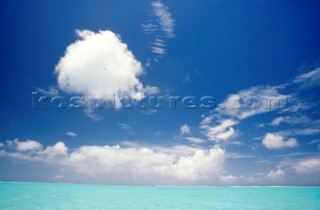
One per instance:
[(176, 165), (100, 65)]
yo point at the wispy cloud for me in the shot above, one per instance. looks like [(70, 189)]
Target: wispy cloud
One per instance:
[(220, 130), (308, 79), (314, 141), (299, 132), (263, 99), (195, 140), (71, 134), (163, 14), (51, 91), (158, 133), (149, 28), (126, 127), (58, 176), (160, 26), (290, 120), (234, 155), (185, 129)]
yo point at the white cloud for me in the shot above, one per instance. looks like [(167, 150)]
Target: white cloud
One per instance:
[(158, 46), (222, 131), (228, 180), (195, 140), (253, 101), (276, 175), (27, 145), (100, 65), (276, 141), (52, 91), (161, 25), (59, 149), (290, 120), (136, 165), (234, 155), (238, 143), (58, 176), (309, 79), (300, 132), (71, 134), (307, 165), (149, 28), (166, 22), (158, 50), (32, 150), (185, 129), (124, 126), (314, 141), (158, 133), (236, 107)]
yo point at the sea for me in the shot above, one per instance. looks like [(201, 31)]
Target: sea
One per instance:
[(53, 196)]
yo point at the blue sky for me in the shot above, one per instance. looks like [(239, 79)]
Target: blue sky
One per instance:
[(240, 55)]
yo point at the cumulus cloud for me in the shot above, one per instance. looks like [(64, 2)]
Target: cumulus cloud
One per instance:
[(185, 129), (32, 150), (100, 65), (276, 175), (27, 145), (71, 134), (136, 165), (276, 141), (59, 149)]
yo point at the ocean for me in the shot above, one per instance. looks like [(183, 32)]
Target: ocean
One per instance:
[(48, 196)]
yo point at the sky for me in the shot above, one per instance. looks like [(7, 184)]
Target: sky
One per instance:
[(160, 92)]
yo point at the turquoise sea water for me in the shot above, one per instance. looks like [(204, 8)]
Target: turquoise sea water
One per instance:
[(90, 197)]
